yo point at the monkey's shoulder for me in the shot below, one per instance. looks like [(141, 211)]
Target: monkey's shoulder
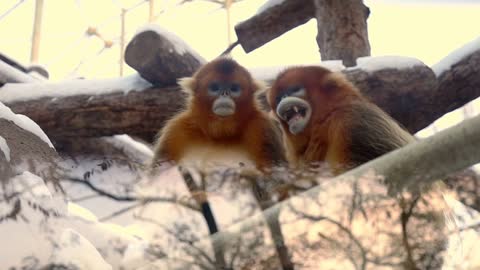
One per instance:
[(373, 132)]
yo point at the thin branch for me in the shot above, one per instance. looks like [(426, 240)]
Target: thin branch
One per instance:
[(230, 48), (130, 198), (121, 211)]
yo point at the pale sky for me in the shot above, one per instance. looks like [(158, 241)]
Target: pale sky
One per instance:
[(424, 29)]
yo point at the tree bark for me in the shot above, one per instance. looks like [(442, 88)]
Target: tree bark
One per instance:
[(342, 30), (158, 60), (273, 22), (404, 94), (138, 113)]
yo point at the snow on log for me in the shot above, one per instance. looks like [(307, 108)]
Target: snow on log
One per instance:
[(401, 86), (139, 113), (23, 145), (272, 20), (9, 74), (458, 77), (160, 56), (11, 93)]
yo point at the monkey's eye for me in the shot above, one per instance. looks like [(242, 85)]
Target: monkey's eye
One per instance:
[(280, 97), (235, 88), (214, 87)]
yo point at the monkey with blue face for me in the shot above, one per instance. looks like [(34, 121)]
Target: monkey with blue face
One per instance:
[(222, 122)]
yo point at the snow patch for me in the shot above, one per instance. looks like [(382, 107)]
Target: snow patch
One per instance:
[(372, 64), (23, 122), (132, 147), (456, 56), (180, 46), (73, 249), (5, 149), (268, 5), (28, 91)]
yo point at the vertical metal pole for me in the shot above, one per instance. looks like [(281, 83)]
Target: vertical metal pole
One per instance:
[(228, 5), (122, 41), (37, 27), (151, 15)]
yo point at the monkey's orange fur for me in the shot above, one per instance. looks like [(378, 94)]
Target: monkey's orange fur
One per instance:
[(344, 130), (248, 132)]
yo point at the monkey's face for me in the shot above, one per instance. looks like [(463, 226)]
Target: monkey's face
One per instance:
[(224, 94), (293, 108), (296, 95), (222, 89)]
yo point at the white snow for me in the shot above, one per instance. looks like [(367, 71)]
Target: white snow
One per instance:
[(132, 147), (270, 73), (11, 72), (73, 248), (454, 57), (372, 64), (23, 122), (21, 92), (5, 149), (180, 46), (268, 5), (59, 237)]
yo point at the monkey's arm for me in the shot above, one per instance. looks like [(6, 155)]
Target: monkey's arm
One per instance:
[(264, 142), (172, 141)]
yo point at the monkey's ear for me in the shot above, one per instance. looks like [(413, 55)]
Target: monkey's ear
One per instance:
[(187, 84)]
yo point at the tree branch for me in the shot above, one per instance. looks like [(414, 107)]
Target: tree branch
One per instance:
[(129, 198)]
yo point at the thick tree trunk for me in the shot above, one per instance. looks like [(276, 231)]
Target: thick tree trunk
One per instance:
[(342, 30)]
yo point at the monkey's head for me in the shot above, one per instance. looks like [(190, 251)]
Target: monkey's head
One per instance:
[(301, 95), (222, 88)]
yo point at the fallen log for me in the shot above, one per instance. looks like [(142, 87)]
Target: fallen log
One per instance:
[(272, 21), (140, 109), (160, 56)]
